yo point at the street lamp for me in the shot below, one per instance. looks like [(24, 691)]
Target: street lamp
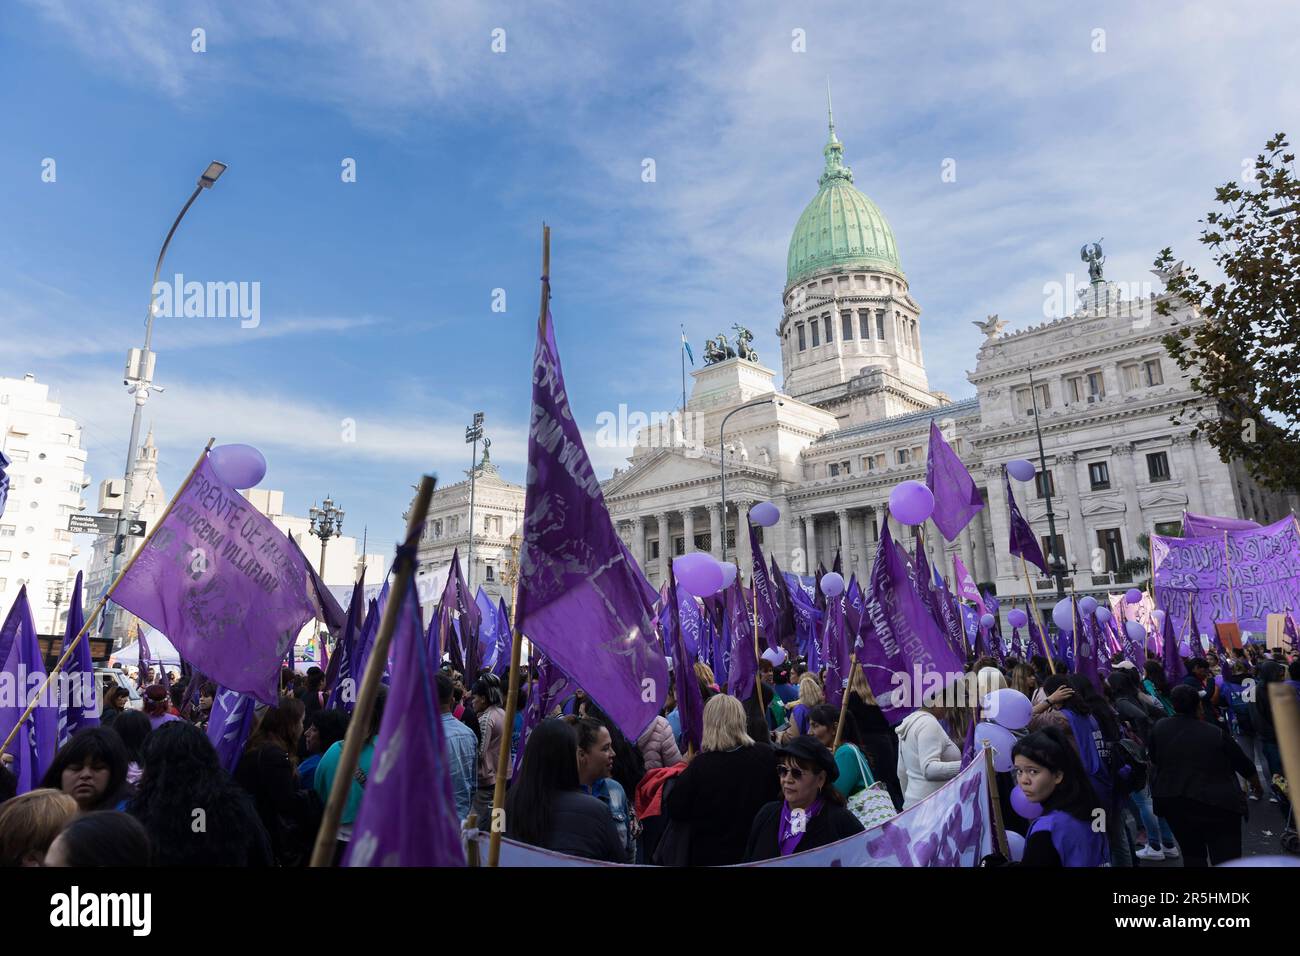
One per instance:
[(722, 453), (472, 434), (55, 593), (325, 522), (139, 381), (1057, 562)]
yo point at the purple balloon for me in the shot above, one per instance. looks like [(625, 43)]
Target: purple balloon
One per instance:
[(764, 514), (1017, 617), (1008, 708), (1000, 739), (832, 584), (1024, 806), (988, 620), (1016, 846), (911, 502), (1184, 648), (1022, 470), (1104, 615), (1158, 616), (1063, 615), (698, 573), (1134, 630), (240, 466), (1088, 604), (1133, 596), (729, 572)]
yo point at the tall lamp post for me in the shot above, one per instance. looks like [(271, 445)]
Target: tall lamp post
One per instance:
[(139, 382), (722, 452), (55, 593), (472, 434), (1057, 561), (325, 522)]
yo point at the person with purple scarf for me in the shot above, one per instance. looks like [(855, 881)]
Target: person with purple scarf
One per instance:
[(1049, 773), (812, 813)]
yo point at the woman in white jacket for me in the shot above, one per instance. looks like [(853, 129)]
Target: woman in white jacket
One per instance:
[(927, 757)]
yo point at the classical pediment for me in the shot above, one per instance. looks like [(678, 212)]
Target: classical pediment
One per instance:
[(1103, 506), (1165, 496), (1038, 513), (666, 468)]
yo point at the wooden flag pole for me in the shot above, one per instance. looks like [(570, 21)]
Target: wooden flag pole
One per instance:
[(844, 702), (1033, 606), (995, 803), (359, 726), (497, 823), (67, 651), (1232, 601)]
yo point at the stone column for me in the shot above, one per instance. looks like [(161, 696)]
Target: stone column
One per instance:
[(846, 549), (868, 547), (810, 543), (665, 545), (1133, 524), (967, 543), (1184, 449), (1077, 550), (979, 567), (688, 529), (715, 531), (744, 556), (1003, 565), (638, 540)]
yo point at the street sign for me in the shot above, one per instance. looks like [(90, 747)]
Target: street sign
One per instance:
[(103, 524)]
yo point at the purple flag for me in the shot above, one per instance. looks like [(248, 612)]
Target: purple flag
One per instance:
[(956, 499), (1289, 630), (326, 606), (230, 724), (906, 638), (143, 658), (1023, 542), (1037, 639), (34, 745), (551, 687), (769, 614), (835, 650), (493, 635), (579, 599), (964, 585), (223, 583), (689, 703), (1087, 647), (742, 659), (786, 627), (408, 814), (1175, 670), (340, 672), (81, 706), (648, 593), (1202, 526), (4, 482)]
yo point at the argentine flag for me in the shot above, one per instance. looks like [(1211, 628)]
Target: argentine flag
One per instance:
[(687, 345)]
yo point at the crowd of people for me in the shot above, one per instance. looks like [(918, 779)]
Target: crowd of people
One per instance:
[(1132, 771)]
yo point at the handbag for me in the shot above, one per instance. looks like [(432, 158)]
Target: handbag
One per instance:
[(872, 805)]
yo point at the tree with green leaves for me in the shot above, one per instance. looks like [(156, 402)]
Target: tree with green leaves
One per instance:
[(1243, 357)]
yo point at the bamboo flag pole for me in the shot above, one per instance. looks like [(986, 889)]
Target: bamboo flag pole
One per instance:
[(1033, 606), (359, 726), (67, 651), (995, 802), (1232, 601), (497, 823), (844, 702)]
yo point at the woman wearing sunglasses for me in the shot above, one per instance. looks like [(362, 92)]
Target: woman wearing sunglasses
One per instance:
[(812, 813)]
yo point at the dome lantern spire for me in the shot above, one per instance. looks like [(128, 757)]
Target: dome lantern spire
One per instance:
[(834, 151)]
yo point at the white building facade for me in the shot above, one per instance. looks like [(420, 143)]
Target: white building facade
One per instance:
[(47, 479)]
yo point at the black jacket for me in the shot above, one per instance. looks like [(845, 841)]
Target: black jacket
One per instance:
[(1196, 765), (582, 826), (832, 823), (291, 815), (717, 796)]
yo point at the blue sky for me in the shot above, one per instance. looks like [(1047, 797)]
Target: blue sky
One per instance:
[(376, 295)]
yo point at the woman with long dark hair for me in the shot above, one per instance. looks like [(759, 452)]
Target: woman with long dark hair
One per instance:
[(133, 727), (1050, 774), (266, 770), (90, 768), (194, 813), (854, 769), (545, 806)]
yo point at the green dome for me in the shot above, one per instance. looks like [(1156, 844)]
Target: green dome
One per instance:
[(841, 228)]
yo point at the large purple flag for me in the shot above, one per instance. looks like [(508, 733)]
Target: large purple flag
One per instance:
[(908, 638), (223, 583), (807, 618), (579, 598), (956, 499), (689, 703), (548, 691), (1202, 526), (326, 607), (230, 724), (688, 616), (769, 614), (786, 627), (494, 633), (408, 814), (835, 650), (1087, 647), (1023, 542), (34, 745), (742, 659), (81, 706)]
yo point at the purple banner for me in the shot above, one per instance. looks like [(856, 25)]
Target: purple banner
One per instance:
[(1240, 576), (1200, 526)]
